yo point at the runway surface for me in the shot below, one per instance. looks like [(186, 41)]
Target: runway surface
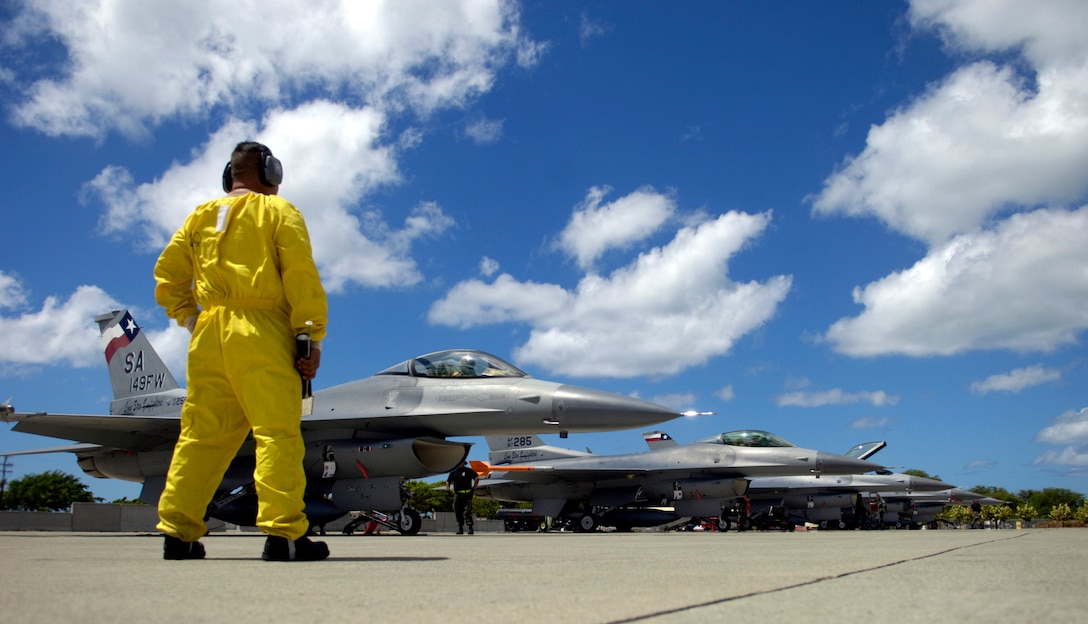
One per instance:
[(890, 576)]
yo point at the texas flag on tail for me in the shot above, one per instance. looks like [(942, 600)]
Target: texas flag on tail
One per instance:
[(119, 336), (658, 439)]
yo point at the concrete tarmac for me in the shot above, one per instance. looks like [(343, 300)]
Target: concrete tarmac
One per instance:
[(523, 578)]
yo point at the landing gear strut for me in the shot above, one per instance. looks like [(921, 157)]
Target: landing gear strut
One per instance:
[(406, 521)]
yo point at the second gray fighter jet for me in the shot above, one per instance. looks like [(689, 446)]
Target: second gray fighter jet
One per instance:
[(628, 490)]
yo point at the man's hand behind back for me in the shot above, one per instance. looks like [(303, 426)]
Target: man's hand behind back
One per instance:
[(308, 367)]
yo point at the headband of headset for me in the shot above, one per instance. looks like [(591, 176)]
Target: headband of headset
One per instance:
[(269, 171)]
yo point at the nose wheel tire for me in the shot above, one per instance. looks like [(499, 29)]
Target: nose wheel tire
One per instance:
[(587, 523), (409, 522)]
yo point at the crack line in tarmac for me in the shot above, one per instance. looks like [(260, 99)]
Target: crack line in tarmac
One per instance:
[(822, 579)]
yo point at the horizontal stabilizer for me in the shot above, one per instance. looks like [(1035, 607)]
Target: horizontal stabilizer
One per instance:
[(71, 448), (133, 433), (518, 449)]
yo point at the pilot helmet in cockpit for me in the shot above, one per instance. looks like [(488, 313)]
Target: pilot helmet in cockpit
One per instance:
[(468, 366)]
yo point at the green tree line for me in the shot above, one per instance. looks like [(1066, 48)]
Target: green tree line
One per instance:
[(47, 491), (1058, 504)]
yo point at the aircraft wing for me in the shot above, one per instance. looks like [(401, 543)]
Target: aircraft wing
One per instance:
[(132, 433)]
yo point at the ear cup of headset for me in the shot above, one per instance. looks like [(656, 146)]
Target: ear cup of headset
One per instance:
[(269, 171), (228, 179)]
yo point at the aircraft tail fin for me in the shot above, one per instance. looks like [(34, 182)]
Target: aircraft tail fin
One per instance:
[(515, 449), (135, 368), (658, 439), (865, 450)]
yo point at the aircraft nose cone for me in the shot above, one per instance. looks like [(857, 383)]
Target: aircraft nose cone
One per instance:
[(575, 408), (922, 484), (831, 463), (961, 496)]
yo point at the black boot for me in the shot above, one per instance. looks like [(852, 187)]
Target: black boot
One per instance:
[(302, 549), (175, 550)]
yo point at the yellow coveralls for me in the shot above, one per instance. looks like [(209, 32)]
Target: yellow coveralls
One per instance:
[(246, 261)]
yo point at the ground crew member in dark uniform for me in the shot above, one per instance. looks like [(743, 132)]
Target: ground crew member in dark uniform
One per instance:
[(464, 481)]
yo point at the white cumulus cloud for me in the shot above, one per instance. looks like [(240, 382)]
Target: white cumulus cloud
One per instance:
[(677, 300), (1019, 286), (871, 422), (1017, 380), (322, 83), (484, 131), (986, 168), (12, 292), (835, 396), (132, 64), (1070, 429), (61, 332), (1068, 456), (595, 228)]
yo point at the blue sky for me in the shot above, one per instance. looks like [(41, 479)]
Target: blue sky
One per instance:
[(839, 222)]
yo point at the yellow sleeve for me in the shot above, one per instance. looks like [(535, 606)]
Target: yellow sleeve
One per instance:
[(301, 282), (174, 277)]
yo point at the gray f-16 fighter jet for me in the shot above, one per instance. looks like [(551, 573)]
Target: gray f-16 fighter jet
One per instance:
[(917, 508), (363, 438), (646, 489), (829, 500), (832, 501)]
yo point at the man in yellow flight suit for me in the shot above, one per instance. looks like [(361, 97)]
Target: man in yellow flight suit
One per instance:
[(240, 275)]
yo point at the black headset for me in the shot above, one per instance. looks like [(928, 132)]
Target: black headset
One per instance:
[(269, 170)]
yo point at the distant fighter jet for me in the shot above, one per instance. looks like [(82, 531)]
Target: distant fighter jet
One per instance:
[(833, 501), (646, 489), (363, 438), (920, 507), (830, 500)]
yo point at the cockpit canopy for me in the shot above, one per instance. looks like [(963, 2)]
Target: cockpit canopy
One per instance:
[(462, 363), (748, 437)]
